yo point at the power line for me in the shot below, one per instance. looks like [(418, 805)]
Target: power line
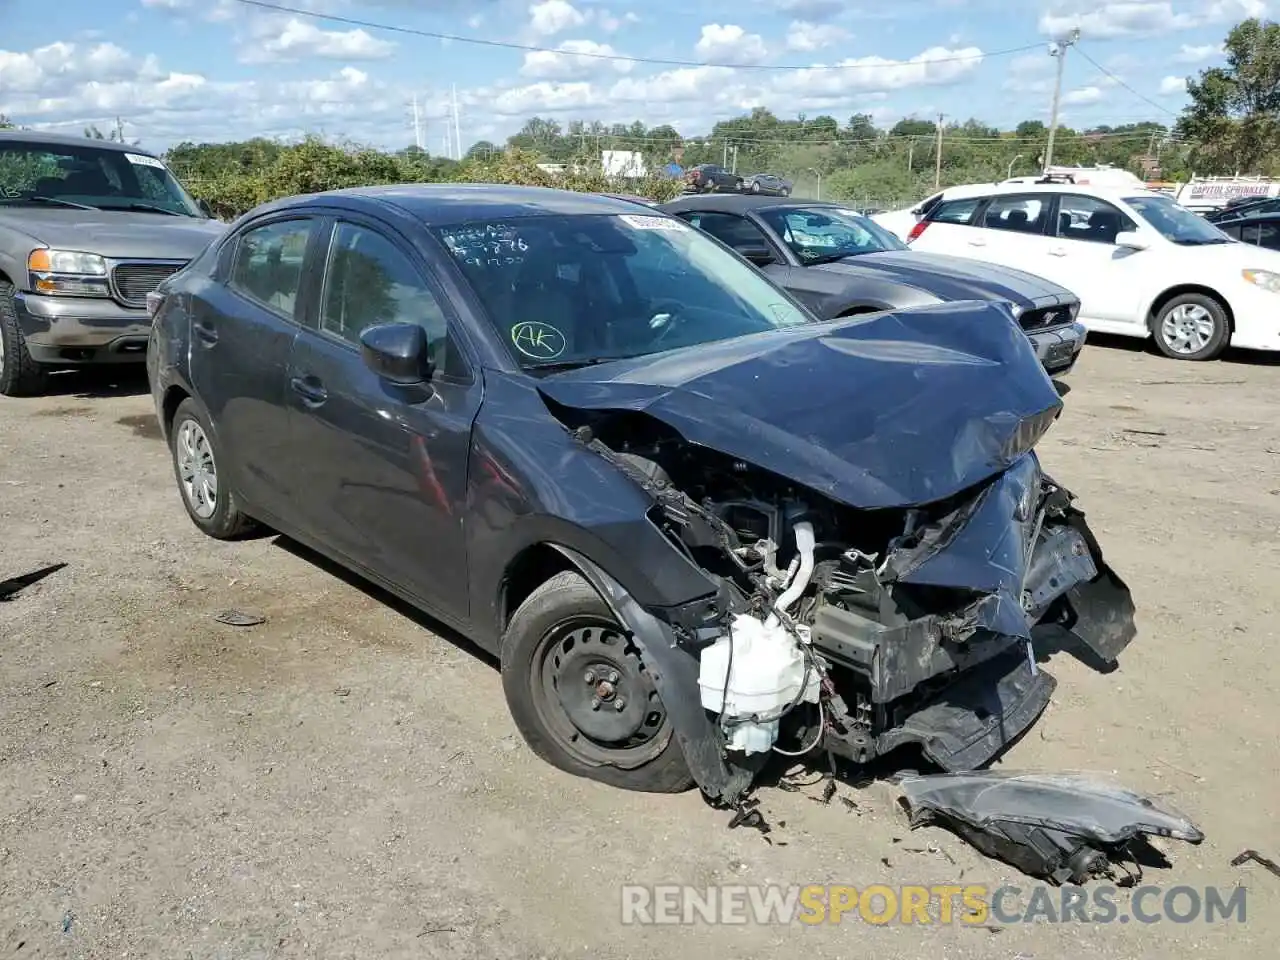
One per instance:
[(617, 57), (1108, 73)]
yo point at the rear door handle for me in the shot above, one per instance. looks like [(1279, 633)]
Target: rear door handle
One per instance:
[(206, 331), (310, 389), (977, 243)]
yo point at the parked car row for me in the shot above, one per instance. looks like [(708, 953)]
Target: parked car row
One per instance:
[(711, 177)]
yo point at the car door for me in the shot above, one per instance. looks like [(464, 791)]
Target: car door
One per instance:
[(1010, 230), (243, 328), (1081, 254), (380, 474)]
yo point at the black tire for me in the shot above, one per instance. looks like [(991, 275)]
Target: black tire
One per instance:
[(755, 186), (786, 191), (1220, 328), (227, 521), (20, 376), (564, 630)]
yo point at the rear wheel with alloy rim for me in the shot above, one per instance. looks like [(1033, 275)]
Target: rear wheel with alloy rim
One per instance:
[(209, 502), (581, 694), (1192, 326)]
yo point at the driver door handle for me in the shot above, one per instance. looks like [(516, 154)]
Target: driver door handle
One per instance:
[(310, 389), (1058, 252), (977, 242)]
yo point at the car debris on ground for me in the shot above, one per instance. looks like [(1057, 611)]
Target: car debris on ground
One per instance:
[(1057, 827)]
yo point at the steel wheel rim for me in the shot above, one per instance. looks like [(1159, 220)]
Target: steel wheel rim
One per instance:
[(586, 659), (1187, 328), (197, 471)]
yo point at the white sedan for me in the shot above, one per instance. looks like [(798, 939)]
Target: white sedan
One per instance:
[(1141, 265)]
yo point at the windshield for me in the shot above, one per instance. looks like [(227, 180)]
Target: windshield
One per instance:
[(34, 173), (573, 290), (823, 234), (1176, 224)]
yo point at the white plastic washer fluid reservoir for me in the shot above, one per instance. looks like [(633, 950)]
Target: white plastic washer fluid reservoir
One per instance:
[(768, 674)]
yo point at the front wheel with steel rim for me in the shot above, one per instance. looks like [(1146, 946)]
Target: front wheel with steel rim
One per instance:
[(1191, 326), (581, 694), (208, 500)]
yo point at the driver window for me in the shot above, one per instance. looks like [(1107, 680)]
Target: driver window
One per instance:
[(732, 231), (368, 281)]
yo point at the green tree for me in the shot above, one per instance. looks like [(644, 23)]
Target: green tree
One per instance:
[(1233, 119), (5, 122)]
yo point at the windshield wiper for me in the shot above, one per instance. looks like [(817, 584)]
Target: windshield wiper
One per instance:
[(59, 202), (553, 365), (831, 257), (1198, 242), (147, 208)]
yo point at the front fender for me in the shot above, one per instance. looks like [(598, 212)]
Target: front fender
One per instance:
[(675, 675)]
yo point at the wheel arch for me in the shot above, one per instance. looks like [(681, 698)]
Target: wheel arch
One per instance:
[(173, 398), (1178, 290)]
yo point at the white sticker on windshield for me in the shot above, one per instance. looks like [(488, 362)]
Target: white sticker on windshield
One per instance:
[(653, 223), (142, 160)]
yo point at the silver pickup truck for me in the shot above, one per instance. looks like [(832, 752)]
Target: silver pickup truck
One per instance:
[(87, 229)]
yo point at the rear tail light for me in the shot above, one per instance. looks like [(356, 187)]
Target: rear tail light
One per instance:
[(917, 230)]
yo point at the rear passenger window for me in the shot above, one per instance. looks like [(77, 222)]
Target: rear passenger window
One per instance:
[(1262, 234), (955, 211), (268, 261), (1090, 219), (1021, 214)]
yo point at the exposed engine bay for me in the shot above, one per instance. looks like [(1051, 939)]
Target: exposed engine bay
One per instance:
[(858, 631)]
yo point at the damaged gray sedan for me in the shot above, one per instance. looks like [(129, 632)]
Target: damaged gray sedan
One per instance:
[(698, 526)]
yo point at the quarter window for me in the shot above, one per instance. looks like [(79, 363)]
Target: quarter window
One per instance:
[(268, 261), (370, 281), (1091, 219), (955, 211), (732, 231), (1020, 214)]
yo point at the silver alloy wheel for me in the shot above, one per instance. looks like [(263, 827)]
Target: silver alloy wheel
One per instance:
[(196, 469), (1187, 328)]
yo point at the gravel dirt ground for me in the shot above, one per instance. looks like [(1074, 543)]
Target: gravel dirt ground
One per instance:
[(345, 781)]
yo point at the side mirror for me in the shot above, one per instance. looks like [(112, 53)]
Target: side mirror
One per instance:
[(758, 254), (396, 352), (205, 208), (1131, 241)]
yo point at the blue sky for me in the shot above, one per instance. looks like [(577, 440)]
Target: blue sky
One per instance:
[(177, 70)]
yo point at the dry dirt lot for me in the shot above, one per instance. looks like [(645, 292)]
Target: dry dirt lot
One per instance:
[(343, 781)]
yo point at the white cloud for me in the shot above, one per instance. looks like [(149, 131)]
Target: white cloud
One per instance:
[(298, 40), (554, 16), (576, 58), (1082, 96), (729, 42), (1173, 86), (59, 66), (1197, 54), (805, 36), (1100, 21), (935, 66), (611, 24)]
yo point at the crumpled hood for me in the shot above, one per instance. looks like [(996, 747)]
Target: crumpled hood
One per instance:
[(887, 410), (116, 233), (951, 278)]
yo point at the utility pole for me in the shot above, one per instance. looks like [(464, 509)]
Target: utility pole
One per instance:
[(911, 153), (119, 131), (457, 133), (1058, 50), (417, 124), (937, 169), (724, 162)]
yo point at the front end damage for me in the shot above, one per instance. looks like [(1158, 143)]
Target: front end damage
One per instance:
[(856, 614), (819, 642)]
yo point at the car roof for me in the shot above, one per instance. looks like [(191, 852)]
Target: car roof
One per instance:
[(739, 202), (41, 138), (1247, 218), (437, 204)]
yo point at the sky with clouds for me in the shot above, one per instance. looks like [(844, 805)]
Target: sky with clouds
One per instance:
[(209, 70)]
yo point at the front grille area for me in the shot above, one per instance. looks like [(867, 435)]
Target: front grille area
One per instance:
[(133, 281), (1046, 318)]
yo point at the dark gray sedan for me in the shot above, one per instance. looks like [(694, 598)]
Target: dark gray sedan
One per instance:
[(839, 263)]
